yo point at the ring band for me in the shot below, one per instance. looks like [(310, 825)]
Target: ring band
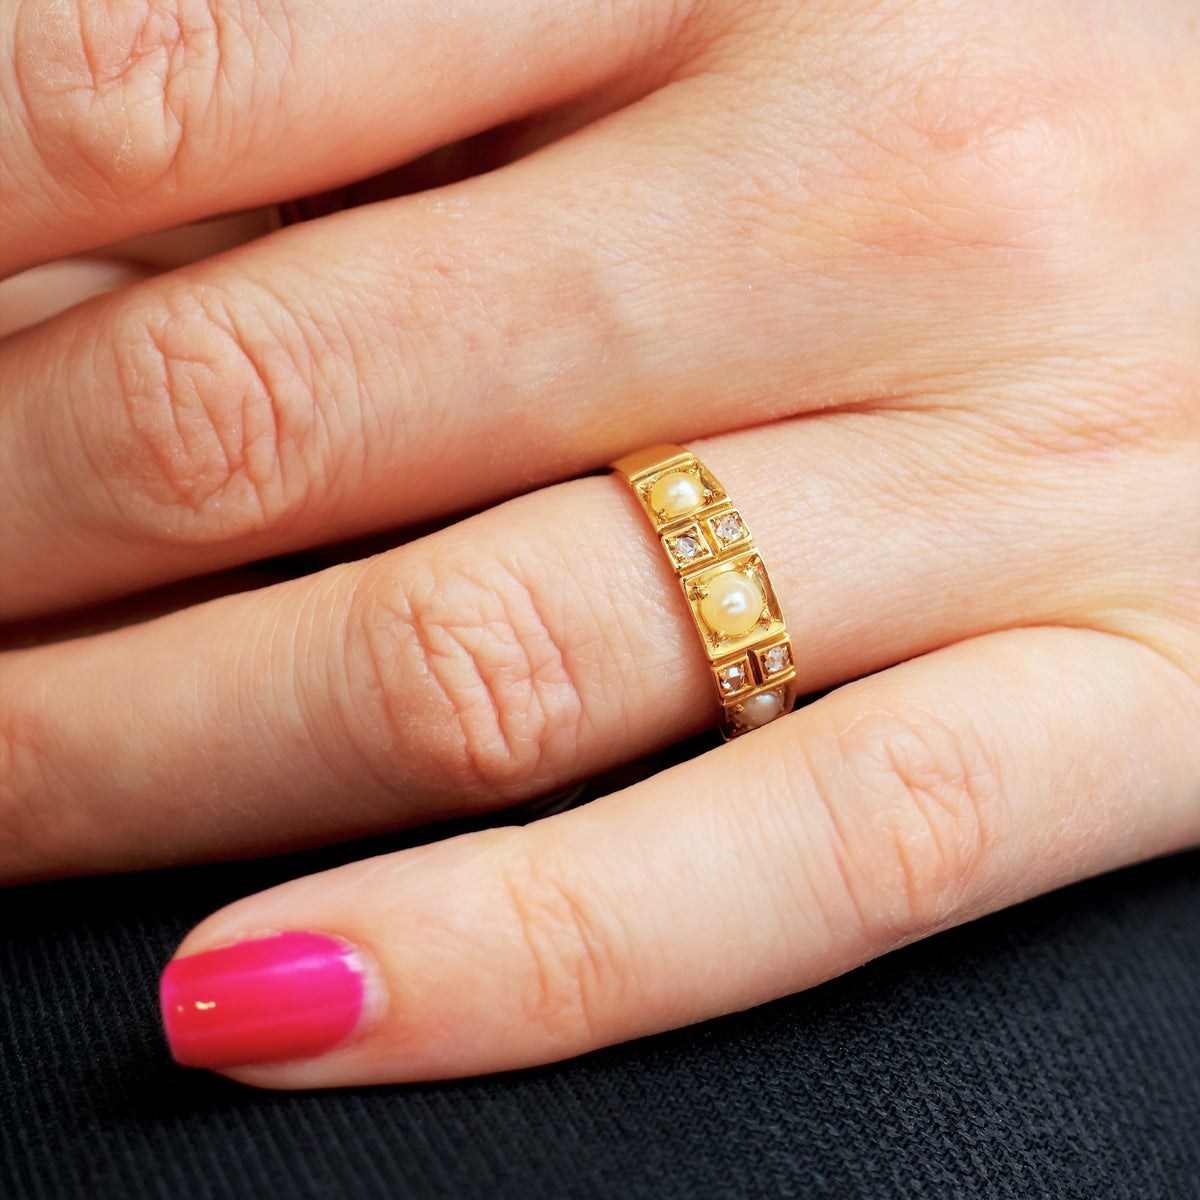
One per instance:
[(724, 581)]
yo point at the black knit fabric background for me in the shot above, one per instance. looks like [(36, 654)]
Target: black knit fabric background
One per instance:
[(1049, 1052)]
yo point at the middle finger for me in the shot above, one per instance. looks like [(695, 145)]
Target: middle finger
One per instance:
[(442, 351)]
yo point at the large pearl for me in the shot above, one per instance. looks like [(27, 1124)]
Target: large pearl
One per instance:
[(758, 710), (733, 605), (676, 494)]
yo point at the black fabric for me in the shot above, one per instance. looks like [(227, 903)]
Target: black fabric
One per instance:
[(1052, 1051)]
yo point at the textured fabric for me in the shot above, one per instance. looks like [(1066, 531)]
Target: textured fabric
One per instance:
[(1052, 1051)]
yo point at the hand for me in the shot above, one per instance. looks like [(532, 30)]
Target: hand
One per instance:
[(917, 279)]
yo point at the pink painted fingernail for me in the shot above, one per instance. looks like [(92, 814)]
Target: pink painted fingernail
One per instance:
[(294, 995)]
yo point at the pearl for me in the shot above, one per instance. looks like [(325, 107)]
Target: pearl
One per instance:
[(760, 709), (676, 494), (733, 605)]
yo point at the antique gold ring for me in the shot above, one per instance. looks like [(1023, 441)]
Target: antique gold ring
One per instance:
[(725, 583)]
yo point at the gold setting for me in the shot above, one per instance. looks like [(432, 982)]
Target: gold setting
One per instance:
[(754, 669), (729, 529), (688, 547)]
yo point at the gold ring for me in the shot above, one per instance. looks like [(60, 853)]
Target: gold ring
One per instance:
[(725, 583)]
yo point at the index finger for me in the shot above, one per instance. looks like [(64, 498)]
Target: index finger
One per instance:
[(120, 118)]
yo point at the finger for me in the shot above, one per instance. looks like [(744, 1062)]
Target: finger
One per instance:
[(43, 292), (545, 640), (405, 361), (117, 119), (894, 808)]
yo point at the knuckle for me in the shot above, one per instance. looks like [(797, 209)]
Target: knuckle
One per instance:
[(462, 654), (572, 951), (218, 437), (912, 801), (976, 161), (119, 95), (957, 152)]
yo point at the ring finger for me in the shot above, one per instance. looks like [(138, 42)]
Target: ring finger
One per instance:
[(546, 639)]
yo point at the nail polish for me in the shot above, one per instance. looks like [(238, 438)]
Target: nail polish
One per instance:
[(294, 995)]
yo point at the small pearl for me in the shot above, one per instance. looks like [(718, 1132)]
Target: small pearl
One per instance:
[(733, 605), (758, 710), (676, 494)]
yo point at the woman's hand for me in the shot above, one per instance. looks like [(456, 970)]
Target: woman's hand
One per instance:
[(919, 279)]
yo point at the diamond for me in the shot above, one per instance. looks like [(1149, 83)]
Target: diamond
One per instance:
[(686, 547), (730, 528), (777, 659), (732, 678)]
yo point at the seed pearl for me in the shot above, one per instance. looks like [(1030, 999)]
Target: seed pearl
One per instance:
[(733, 605), (758, 710), (676, 494)]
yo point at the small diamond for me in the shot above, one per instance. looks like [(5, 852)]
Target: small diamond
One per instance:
[(776, 659), (685, 547), (732, 678), (730, 528)]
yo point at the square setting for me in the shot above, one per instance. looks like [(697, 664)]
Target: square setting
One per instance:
[(677, 492), (734, 678), (734, 605), (774, 661), (687, 547), (728, 529)]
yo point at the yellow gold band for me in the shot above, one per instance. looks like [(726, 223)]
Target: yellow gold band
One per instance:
[(724, 581)]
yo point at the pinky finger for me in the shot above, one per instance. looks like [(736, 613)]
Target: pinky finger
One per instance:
[(918, 799)]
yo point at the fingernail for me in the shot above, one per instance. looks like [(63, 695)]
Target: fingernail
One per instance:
[(295, 995)]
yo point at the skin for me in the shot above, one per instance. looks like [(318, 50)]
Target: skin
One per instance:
[(919, 280)]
